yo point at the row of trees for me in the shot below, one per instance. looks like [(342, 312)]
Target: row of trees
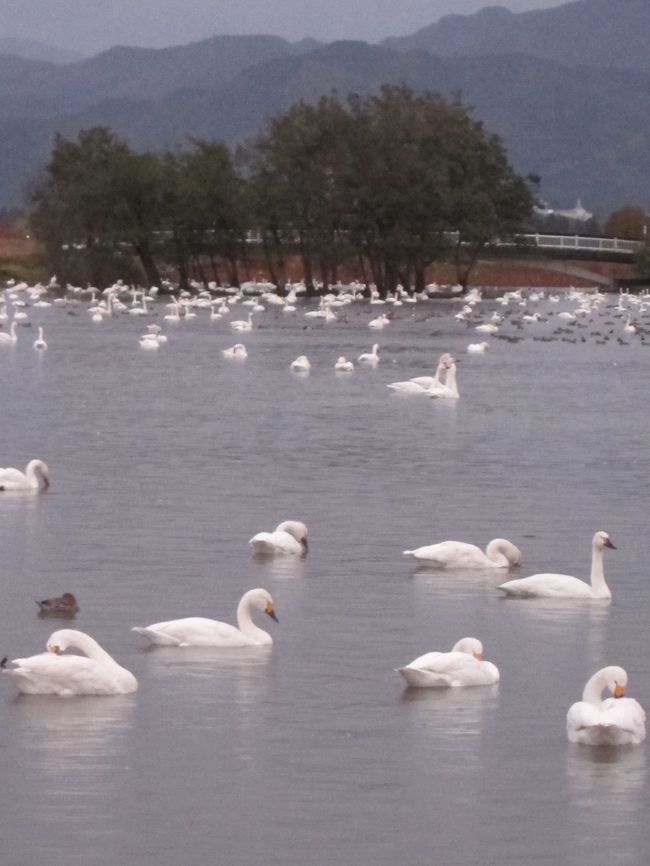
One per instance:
[(386, 184)]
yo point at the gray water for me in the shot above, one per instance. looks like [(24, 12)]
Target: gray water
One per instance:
[(163, 464)]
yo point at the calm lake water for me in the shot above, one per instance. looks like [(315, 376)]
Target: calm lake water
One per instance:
[(164, 464)]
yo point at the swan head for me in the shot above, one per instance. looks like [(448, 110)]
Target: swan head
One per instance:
[(63, 639), (470, 645), (261, 599), (297, 529), (615, 679), (601, 540), (41, 470)]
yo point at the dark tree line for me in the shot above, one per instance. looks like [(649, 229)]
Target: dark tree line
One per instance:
[(383, 184)]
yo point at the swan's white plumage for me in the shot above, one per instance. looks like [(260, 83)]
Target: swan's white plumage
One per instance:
[(50, 673), (614, 721), (35, 477), (500, 553), (460, 667), (200, 631), (288, 538), (565, 585)]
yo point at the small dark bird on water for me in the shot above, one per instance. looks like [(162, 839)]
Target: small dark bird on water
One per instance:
[(64, 605)]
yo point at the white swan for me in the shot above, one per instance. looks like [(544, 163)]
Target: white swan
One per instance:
[(564, 585), (343, 365), (11, 337), (449, 389), (460, 667), (379, 323), (199, 631), (51, 673), (35, 477), (477, 348), (288, 538), (500, 553), (237, 352), (39, 342), (611, 722), (301, 364), (370, 357), (243, 324), (423, 384)]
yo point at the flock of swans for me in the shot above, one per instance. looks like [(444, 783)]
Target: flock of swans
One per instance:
[(593, 720)]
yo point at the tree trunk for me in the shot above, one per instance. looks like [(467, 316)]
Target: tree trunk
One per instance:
[(147, 261)]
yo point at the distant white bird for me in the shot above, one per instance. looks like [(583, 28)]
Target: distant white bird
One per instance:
[(243, 324), (343, 365), (477, 348), (237, 352), (288, 538), (488, 328), (463, 666), (11, 337), (39, 342), (371, 357), (301, 364), (379, 323), (615, 721), (36, 477)]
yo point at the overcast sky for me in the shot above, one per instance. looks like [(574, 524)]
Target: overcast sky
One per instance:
[(92, 25)]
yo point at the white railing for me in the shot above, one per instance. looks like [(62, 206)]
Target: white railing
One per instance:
[(577, 242)]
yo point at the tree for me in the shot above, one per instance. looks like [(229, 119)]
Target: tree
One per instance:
[(628, 222)]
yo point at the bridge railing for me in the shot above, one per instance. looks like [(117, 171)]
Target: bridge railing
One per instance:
[(578, 242)]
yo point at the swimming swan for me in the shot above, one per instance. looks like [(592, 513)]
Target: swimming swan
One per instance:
[(449, 389), (288, 538), (301, 364), (12, 336), (50, 673), (564, 585), (371, 357), (198, 631), (611, 722), (460, 667), (35, 477), (423, 384), (500, 553)]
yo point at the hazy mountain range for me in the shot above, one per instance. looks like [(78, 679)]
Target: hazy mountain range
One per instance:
[(568, 88)]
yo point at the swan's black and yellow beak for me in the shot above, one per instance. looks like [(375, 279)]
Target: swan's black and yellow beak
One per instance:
[(478, 656), (619, 691), (608, 543), (269, 609), (54, 649)]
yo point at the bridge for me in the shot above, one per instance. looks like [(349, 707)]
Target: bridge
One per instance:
[(578, 242)]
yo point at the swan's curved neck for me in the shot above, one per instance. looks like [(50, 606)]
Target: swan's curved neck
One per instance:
[(593, 691), (450, 381), (498, 549), (246, 624), (600, 588), (92, 649)]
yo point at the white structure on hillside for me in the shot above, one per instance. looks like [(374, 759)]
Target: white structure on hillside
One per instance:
[(577, 213)]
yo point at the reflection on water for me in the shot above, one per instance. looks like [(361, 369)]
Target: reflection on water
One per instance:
[(605, 784), (71, 745), (452, 720), (279, 566)]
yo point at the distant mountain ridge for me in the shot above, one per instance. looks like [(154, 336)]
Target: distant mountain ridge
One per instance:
[(611, 33), (583, 127), (33, 50)]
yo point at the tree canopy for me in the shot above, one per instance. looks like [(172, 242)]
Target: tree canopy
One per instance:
[(386, 183)]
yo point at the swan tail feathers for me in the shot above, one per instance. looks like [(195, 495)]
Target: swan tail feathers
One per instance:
[(424, 679), (156, 637)]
